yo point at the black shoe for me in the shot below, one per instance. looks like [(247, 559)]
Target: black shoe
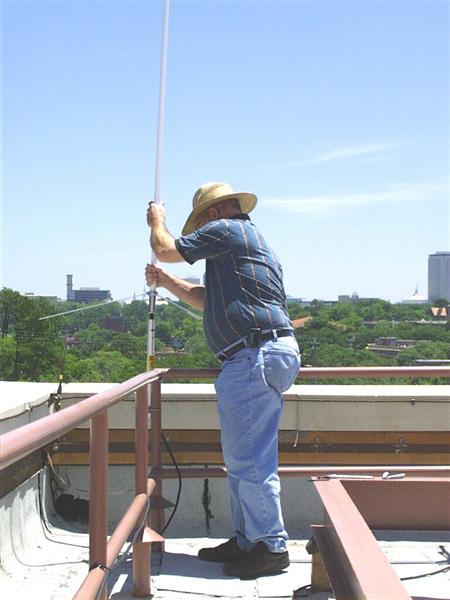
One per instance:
[(256, 562), (226, 552)]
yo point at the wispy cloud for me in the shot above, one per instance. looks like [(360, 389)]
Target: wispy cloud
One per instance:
[(400, 192), (361, 151)]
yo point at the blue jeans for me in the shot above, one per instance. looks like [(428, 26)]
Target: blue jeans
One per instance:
[(249, 404)]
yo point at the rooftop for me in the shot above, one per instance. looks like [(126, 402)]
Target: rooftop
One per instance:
[(48, 556), (56, 563)]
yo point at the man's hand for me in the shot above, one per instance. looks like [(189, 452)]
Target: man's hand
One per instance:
[(190, 293), (156, 213), (154, 274)]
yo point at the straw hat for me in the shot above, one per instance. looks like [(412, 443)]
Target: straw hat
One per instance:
[(213, 193)]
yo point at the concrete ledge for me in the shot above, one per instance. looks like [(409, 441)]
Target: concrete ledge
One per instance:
[(307, 407)]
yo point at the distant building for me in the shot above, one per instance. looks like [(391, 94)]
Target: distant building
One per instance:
[(193, 280), (440, 312), (114, 322), (85, 294), (415, 298), (72, 340), (439, 276), (389, 346), (292, 300), (432, 362), (32, 296), (301, 322), (353, 298)]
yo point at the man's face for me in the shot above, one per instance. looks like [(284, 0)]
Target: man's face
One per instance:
[(218, 211), (203, 218)]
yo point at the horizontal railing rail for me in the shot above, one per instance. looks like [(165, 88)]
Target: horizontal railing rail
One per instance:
[(18, 443), (24, 440), (330, 373)]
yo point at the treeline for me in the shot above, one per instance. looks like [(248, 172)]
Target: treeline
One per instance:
[(83, 347), (338, 334)]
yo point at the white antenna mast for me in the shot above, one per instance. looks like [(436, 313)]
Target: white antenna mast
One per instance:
[(151, 354)]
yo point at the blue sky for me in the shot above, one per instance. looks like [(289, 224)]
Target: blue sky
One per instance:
[(336, 114)]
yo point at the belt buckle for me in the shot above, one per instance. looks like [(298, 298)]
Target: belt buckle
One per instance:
[(254, 338)]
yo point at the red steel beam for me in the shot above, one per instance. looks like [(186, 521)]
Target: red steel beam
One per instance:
[(361, 570), (412, 503)]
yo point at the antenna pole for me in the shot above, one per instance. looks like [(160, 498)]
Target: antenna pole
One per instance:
[(151, 351)]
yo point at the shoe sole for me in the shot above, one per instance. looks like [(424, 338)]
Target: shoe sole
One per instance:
[(262, 572), (221, 560)]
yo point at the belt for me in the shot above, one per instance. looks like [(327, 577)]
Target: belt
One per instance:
[(254, 339)]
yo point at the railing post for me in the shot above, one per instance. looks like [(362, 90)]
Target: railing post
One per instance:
[(157, 513), (141, 551), (141, 441), (98, 497)]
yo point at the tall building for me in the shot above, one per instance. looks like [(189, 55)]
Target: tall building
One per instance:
[(439, 276), (69, 287), (85, 295)]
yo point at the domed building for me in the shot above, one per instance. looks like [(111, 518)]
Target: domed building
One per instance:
[(416, 298)]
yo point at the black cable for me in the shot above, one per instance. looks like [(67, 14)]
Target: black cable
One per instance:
[(41, 505), (444, 570), (206, 500), (177, 469)]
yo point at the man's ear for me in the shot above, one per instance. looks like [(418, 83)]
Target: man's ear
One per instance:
[(213, 212)]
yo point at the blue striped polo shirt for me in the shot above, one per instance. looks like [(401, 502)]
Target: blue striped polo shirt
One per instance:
[(244, 280)]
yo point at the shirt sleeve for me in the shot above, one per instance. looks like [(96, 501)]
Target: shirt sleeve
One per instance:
[(211, 240)]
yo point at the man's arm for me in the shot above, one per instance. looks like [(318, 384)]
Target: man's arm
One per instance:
[(191, 293), (161, 240)]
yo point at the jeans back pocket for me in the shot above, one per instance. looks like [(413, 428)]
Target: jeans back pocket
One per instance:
[(281, 368)]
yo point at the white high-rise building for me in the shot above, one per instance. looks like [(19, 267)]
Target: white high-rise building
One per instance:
[(439, 276)]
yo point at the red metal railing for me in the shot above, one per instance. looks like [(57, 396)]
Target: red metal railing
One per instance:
[(20, 442)]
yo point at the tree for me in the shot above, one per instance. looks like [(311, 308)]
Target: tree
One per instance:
[(424, 350), (37, 343), (12, 304), (103, 366), (7, 358), (441, 302)]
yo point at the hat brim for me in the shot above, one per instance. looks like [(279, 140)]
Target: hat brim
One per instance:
[(246, 200)]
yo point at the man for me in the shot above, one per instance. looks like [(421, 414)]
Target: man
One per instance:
[(248, 328)]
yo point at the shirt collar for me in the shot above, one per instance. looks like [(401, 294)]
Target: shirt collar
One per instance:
[(243, 216)]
